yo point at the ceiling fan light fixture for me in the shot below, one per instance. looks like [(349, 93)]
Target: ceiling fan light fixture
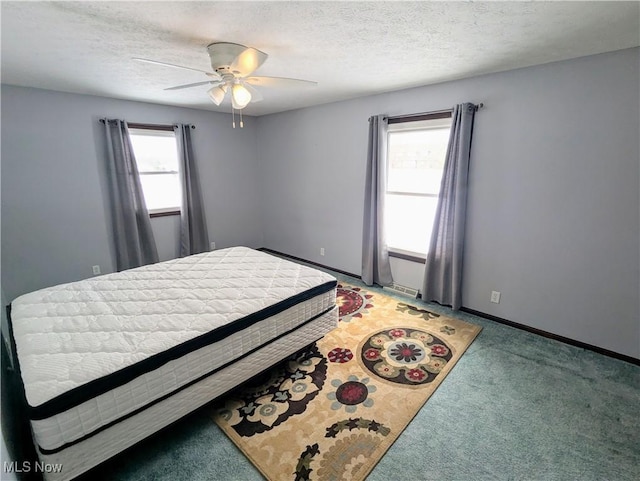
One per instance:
[(240, 96), (216, 94)]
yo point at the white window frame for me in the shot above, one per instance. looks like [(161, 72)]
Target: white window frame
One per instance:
[(157, 131), (436, 120)]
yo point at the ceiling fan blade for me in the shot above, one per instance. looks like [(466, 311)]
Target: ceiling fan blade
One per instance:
[(213, 83), (256, 96), (279, 82), (146, 60), (248, 61)]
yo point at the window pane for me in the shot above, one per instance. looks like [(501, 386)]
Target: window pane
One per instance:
[(408, 222), (157, 160), (416, 160), (161, 191), (154, 151)]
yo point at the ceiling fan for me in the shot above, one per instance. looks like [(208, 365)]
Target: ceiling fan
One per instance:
[(232, 66)]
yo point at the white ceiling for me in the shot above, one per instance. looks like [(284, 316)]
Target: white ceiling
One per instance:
[(351, 49)]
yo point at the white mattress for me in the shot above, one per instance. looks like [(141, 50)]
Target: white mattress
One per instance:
[(94, 353), (82, 456)]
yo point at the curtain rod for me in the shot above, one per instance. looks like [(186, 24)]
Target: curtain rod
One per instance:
[(434, 113), (149, 126)]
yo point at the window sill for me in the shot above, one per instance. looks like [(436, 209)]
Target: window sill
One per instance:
[(163, 212), (408, 256)]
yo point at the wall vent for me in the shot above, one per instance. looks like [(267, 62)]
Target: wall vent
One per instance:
[(402, 290)]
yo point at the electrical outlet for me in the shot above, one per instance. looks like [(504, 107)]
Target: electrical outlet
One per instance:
[(321, 251), (495, 297), (96, 270), (213, 246)]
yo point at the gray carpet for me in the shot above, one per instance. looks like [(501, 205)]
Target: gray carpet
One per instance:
[(517, 406)]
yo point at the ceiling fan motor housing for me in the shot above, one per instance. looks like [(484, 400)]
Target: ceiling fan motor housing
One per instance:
[(223, 54)]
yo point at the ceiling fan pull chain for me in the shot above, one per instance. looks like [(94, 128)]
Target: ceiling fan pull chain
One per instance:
[(241, 123), (233, 117)]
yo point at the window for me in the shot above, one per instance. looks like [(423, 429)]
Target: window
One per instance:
[(415, 162), (156, 154)]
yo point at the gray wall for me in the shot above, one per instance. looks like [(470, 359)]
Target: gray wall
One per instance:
[(554, 201), (553, 209), (54, 224)]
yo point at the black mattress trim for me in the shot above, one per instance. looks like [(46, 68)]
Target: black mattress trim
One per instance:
[(83, 393), (166, 396)]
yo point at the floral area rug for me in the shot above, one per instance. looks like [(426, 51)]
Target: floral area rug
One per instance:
[(333, 410)]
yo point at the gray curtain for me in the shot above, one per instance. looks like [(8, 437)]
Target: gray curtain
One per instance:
[(132, 234), (194, 237), (375, 256), (443, 270)]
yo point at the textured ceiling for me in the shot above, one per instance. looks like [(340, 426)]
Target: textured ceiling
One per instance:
[(351, 49)]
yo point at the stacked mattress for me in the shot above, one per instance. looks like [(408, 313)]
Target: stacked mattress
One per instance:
[(109, 360)]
